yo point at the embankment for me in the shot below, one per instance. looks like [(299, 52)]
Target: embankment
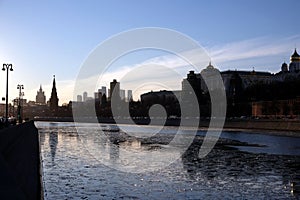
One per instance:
[(272, 125), (20, 162)]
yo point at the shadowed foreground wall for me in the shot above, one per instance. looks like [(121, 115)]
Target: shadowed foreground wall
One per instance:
[(19, 162)]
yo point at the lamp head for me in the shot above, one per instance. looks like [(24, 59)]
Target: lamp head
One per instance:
[(7, 66)]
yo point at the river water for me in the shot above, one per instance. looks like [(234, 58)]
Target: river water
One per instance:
[(268, 168)]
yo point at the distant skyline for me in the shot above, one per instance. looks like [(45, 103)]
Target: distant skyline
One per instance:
[(44, 38)]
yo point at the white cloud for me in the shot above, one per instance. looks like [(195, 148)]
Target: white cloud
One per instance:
[(255, 49)]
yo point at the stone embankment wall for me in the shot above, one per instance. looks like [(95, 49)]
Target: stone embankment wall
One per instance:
[(276, 125)]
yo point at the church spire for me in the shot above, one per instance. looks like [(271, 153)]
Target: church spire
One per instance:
[(54, 98), (54, 84)]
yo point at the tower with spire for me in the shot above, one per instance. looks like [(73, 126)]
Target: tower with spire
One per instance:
[(40, 97), (53, 99), (295, 62)]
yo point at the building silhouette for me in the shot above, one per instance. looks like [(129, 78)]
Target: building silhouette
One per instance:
[(191, 87), (239, 84), (235, 81), (129, 95), (295, 62), (103, 90), (212, 78), (162, 97), (40, 97), (97, 95), (85, 96), (290, 71), (53, 99), (122, 94), (114, 90), (79, 98), (168, 99)]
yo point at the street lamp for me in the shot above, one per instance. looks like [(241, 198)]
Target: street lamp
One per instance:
[(8, 67), (20, 88)]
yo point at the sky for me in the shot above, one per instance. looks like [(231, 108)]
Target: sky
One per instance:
[(43, 38)]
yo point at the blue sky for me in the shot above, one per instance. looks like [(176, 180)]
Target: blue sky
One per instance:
[(42, 38)]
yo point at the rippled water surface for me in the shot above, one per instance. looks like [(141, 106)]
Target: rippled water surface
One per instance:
[(269, 169)]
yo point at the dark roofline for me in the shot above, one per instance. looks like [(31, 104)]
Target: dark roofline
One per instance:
[(160, 92), (246, 72)]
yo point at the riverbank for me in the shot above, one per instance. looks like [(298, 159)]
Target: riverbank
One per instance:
[(288, 127), (276, 125)]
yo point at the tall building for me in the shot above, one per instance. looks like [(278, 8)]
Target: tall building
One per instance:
[(98, 95), (79, 98), (114, 89), (122, 94), (191, 86), (53, 99), (40, 97), (129, 95), (85, 96), (102, 90)]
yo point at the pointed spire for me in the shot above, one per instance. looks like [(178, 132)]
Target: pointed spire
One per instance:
[(210, 66), (54, 84), (54, 81), (54, 98), (295, 53)]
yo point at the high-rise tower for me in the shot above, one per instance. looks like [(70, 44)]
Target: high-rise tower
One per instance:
[(40, 97), (54, 98), (115, 90)]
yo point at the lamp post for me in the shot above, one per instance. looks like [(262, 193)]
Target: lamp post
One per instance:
[(20, 88), (7, 67)]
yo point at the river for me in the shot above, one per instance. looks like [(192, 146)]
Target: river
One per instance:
[(83, 166)]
